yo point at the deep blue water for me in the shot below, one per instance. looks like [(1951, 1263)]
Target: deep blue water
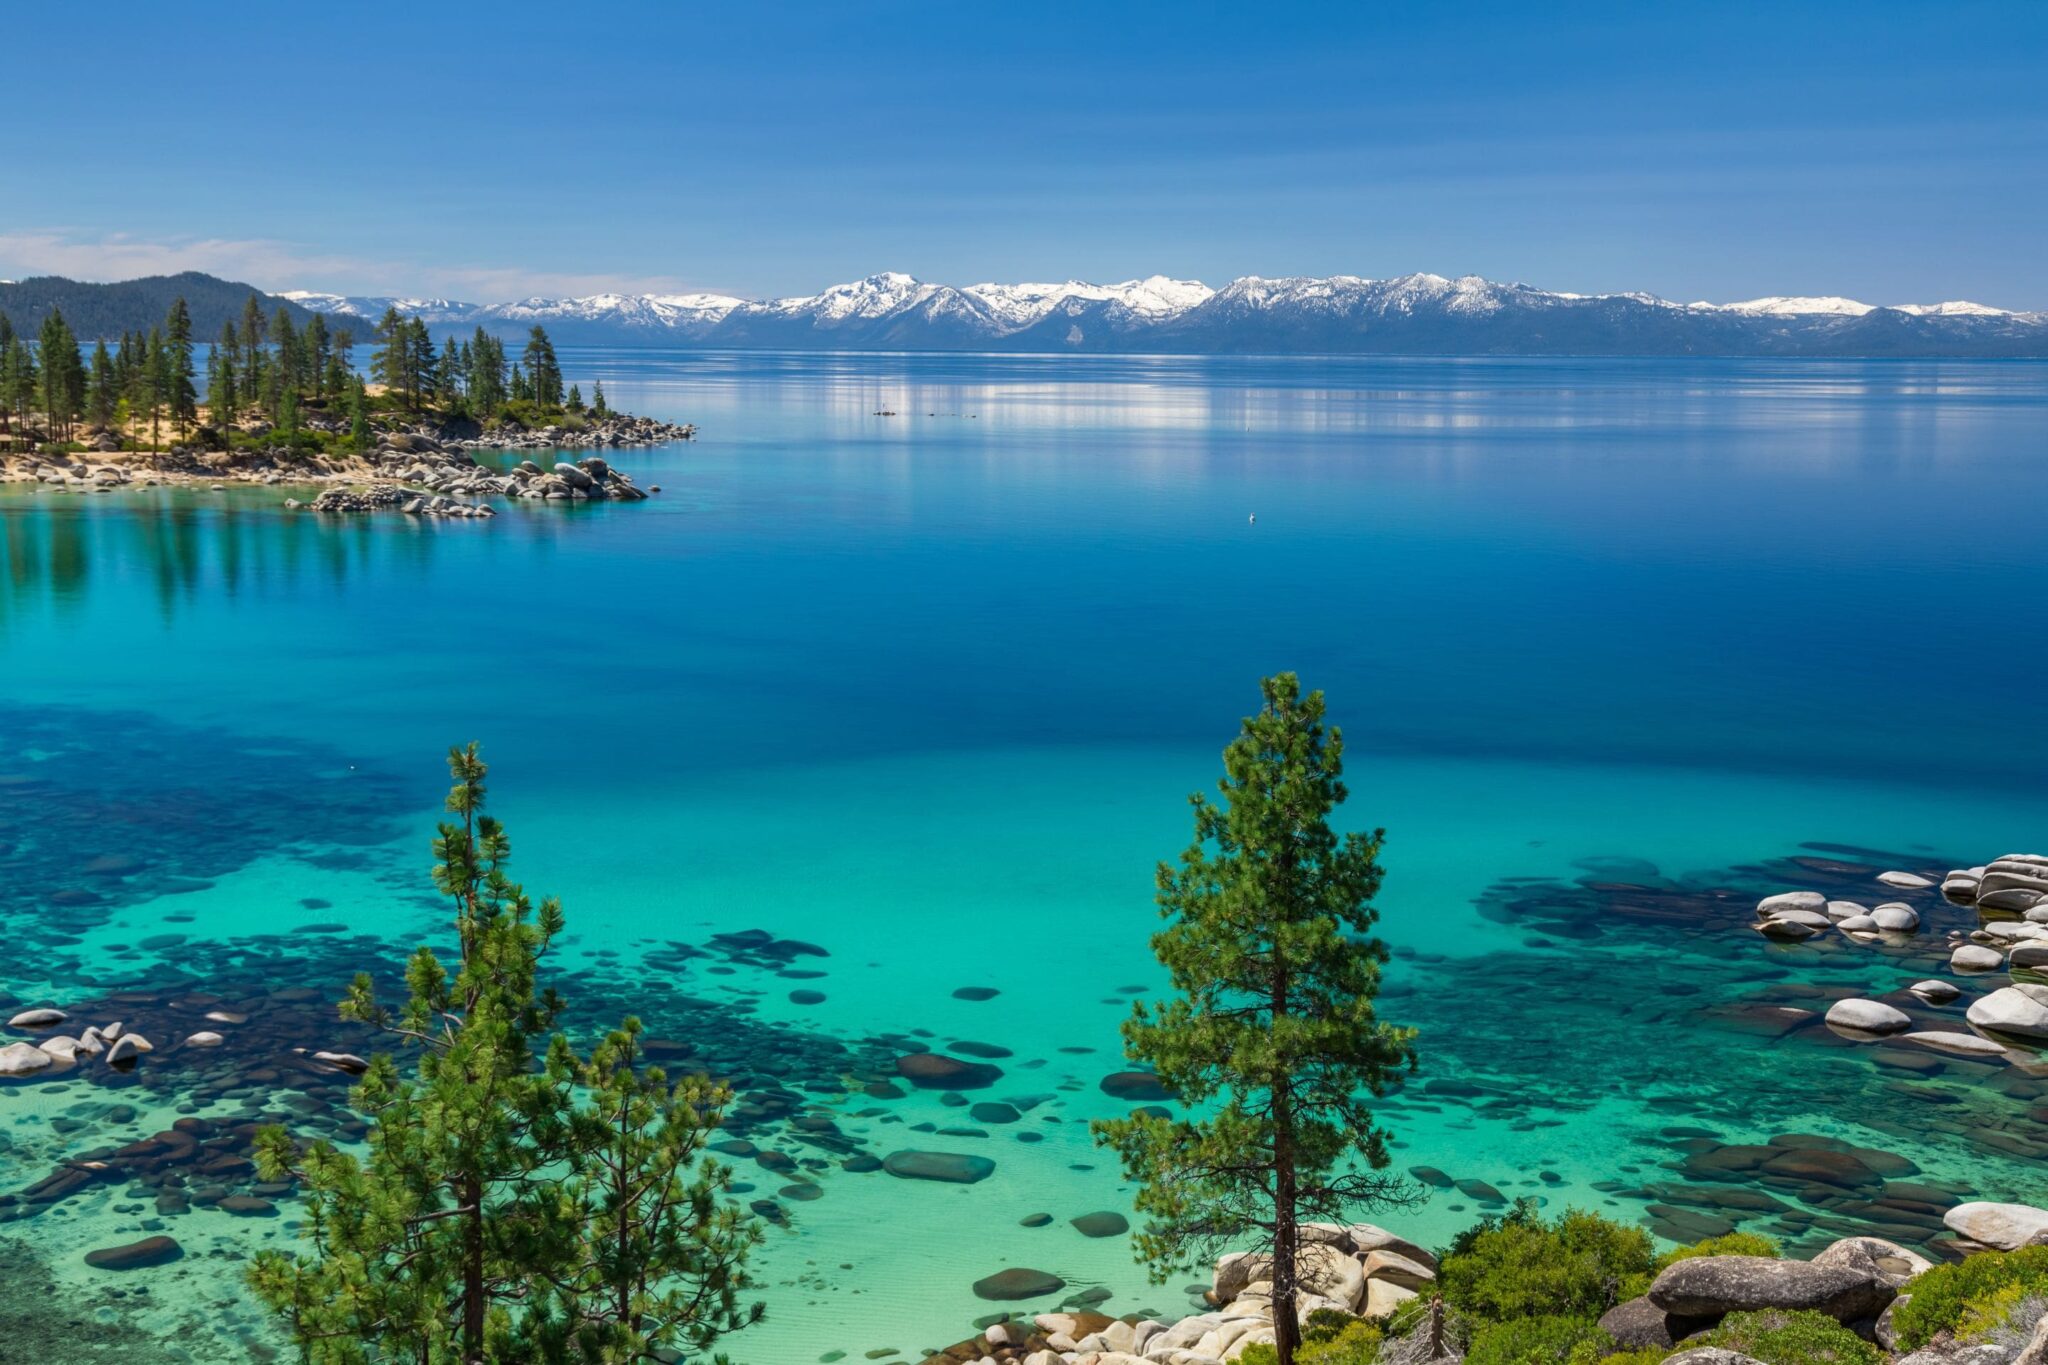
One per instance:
[(929, 689)]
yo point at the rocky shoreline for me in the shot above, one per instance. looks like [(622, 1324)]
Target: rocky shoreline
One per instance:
[(1362, 1271), (420, 470)]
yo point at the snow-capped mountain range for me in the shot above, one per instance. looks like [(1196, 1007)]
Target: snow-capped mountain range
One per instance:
[(1418, 314)]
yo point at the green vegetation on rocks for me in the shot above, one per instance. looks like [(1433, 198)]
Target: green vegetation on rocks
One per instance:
[(1546, 1339), (1947, 1297), (1787, 1338), (1520, 1265)]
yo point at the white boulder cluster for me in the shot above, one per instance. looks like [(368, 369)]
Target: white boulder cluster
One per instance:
[(112, 1044), (2010, 896), (1357, 1269), (418, 475), (1795, 916)]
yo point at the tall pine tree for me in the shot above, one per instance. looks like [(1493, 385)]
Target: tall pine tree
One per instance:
[(1272, 1039), (179, 394), (543, 372)]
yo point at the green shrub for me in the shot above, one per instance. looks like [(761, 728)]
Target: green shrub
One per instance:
[(1552, 1339), (1327, 1338), (1803, 1338), (1986, 1313), (1649, 1355), (1520, 1266), (1941, 1299)]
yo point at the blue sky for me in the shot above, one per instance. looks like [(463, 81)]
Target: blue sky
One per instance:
[(1891, 152)]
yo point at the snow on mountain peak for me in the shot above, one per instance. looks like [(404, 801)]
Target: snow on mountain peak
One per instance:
[(1790, 306), (1343, 312)]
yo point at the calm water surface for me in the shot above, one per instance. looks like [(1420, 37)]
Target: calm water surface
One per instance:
[(927, 690)]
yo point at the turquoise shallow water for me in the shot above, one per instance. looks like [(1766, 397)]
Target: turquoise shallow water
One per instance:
[(928, 690)]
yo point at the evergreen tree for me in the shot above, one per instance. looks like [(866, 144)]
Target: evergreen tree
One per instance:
[(254, 366), (288, 414), (574, 402), (18, 381), (486, 375), (63, 375), (450, 376), (657, 1261), (156, 382), (6, 330), (179, 394), (1273, 1039), (424, 367), (597, 403), (358, 416), (287, 359), (221, 398), (391, 362), (497, 1216), (543, 373), (230, 343), (318, 350), (131, 371), (103, 388)]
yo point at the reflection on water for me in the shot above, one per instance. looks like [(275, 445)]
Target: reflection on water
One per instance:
[(188, 544)]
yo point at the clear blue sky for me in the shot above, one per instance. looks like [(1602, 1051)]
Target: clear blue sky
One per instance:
[(1891, 152)]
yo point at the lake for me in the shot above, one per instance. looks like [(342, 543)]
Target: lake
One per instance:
[(914, 661)]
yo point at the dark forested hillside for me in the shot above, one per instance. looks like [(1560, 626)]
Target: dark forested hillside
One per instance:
[(96, 311)]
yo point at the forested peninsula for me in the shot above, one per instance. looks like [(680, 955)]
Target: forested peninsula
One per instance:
[(274, 400)]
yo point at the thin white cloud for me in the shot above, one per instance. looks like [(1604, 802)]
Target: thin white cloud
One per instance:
[(272, 265)]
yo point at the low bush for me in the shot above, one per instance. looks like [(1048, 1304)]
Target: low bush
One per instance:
[(1649, 1355), (1551, 1339), (1803, 1338), (1327, 1338), (1943, 1298), (1521, 1266)]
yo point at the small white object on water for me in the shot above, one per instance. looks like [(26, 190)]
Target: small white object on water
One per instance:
[(1254, 518)]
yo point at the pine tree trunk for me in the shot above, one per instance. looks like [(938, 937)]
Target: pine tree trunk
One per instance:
[(1286, 1236), (473, 1273)]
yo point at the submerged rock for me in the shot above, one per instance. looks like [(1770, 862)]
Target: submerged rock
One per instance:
[(135, 1255), (1008, 1285), (1137, 1086), (954, 1168), (937, 1071)]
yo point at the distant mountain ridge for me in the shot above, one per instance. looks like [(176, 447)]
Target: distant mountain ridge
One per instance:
[(1343, 314), (104, 311)]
